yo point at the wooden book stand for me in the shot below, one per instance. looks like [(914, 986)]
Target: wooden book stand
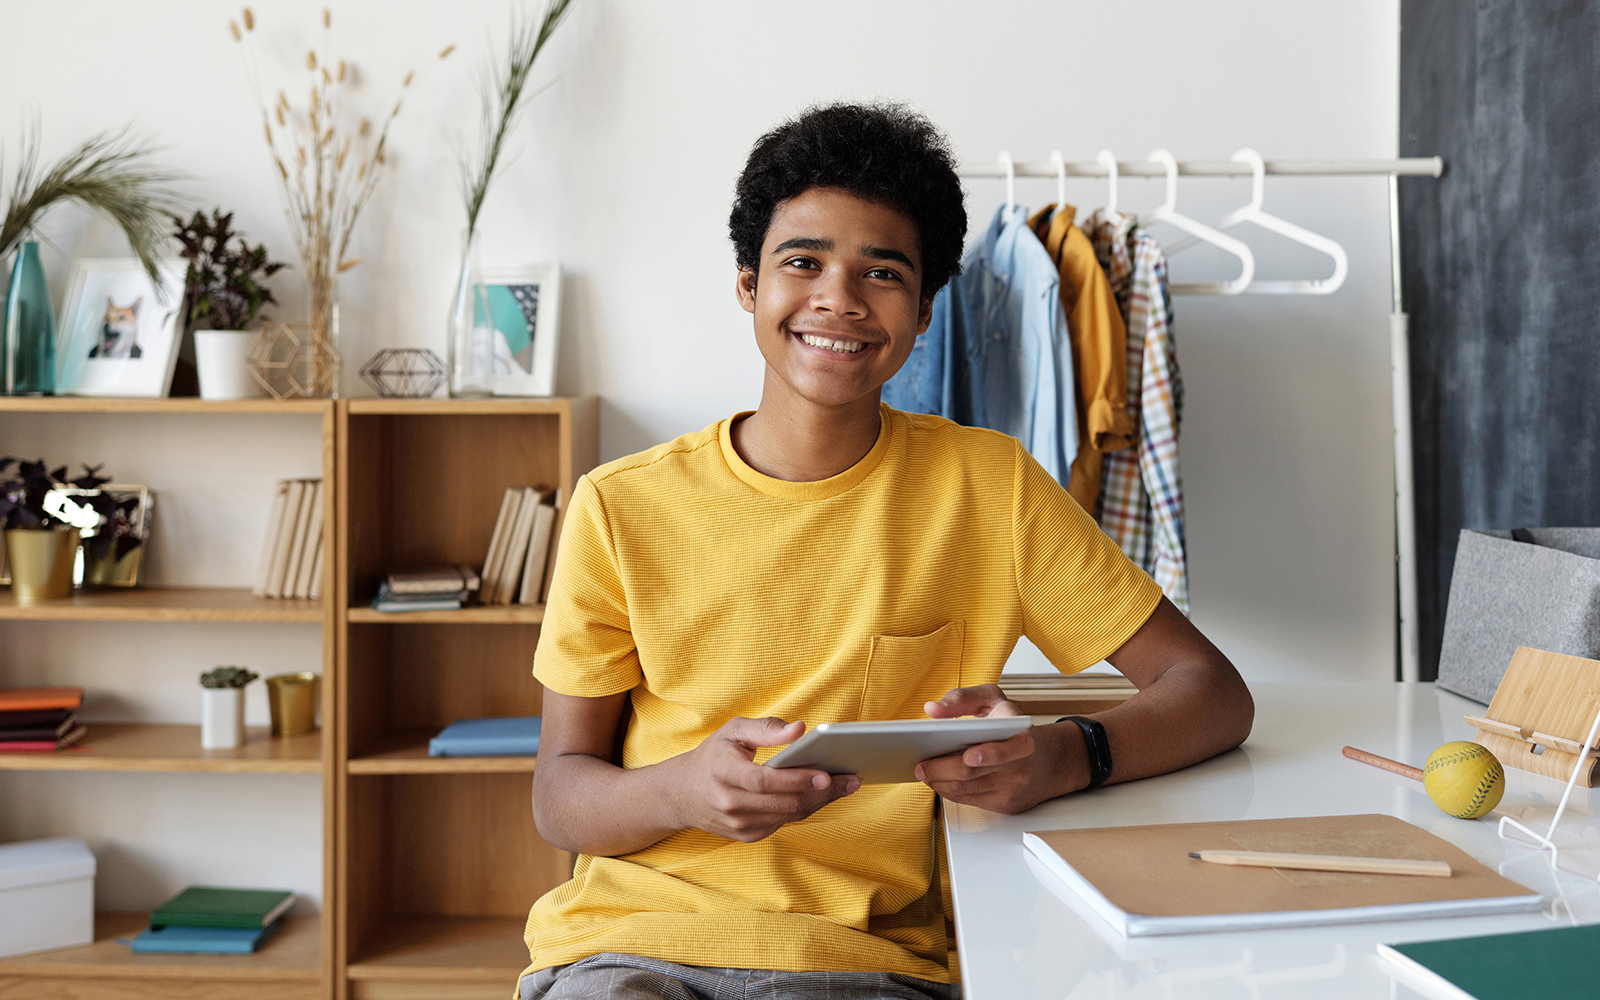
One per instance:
[(1542, 712)]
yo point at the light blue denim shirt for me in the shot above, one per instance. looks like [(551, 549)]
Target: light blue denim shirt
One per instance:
[(997, 354)]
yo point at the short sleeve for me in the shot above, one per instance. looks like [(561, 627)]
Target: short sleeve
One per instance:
[(1081, 597), (586, 646)]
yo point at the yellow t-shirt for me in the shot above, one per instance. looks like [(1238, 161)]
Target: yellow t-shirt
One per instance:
[(709, 591)]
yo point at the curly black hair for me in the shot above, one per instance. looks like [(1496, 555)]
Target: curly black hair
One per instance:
[(883, 153)]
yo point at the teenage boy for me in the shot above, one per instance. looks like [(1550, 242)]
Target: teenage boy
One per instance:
[(823, 558)]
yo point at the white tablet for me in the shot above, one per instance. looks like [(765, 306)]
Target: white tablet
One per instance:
[(889, 752)]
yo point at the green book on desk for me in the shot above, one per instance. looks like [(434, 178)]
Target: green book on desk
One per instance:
[(1557, 963), (206, 906)]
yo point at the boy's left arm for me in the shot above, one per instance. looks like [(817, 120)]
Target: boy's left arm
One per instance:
[(1192, 704)]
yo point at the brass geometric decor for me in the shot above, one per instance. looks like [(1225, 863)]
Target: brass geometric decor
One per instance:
[(405, 372), (290, 361)]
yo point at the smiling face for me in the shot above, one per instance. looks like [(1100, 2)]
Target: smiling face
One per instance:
[(838, 302)]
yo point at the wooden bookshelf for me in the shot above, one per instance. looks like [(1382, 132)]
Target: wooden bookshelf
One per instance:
[(438, 858), (163, 604), (120, 746), (288, 967), (430, 864), (299, 962)]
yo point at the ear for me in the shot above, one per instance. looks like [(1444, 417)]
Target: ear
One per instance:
[(745, 287), (110, 304), (136, 303), (924, 316)]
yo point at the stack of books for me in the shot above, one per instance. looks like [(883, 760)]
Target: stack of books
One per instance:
[(291, 555), (203, 920), (517, 568), (40, 718), (444, 588)]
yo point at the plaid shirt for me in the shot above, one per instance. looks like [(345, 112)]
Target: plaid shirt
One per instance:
[(1141, 493)]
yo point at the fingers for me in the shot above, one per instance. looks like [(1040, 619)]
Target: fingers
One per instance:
[(768, 732), (981, 700)]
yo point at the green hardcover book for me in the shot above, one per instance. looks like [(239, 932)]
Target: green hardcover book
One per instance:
[(207, 906), (1557, 963)]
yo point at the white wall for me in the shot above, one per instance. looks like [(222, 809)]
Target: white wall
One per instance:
[(625, 172)]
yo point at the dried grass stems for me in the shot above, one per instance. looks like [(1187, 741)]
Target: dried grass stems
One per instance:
[(111, 173), (328, 160), (504, 93)]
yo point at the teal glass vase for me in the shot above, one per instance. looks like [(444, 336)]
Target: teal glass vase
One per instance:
[(30, 329)]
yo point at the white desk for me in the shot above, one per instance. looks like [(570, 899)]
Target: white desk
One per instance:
[(1018, 940)]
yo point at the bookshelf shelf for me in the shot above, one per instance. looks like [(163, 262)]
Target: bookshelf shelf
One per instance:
[(113, 746), (506, 614), (474, 949), (292, 955), (406, 752), (163, 604), (107, 404)]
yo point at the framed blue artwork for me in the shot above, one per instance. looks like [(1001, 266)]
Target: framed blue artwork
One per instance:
[(516, 322)]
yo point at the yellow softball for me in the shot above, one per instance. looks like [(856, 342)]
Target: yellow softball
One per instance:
[(1464, 779)]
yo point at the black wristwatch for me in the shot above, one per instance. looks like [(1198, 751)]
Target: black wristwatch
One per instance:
[(1094, 734)]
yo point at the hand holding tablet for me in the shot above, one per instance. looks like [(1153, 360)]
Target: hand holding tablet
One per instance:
[(889, 752)]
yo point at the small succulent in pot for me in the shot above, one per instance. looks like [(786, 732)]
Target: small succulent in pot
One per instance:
[(227, 677), (23, 498)]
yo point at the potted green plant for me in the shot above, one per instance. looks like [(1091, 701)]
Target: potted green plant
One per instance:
[(223, 296), (41, 536), (222, 706)]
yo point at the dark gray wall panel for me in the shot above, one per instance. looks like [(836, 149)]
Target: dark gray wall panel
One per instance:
[(1501, 267)]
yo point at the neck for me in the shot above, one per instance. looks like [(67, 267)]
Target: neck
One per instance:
[(800, 442)]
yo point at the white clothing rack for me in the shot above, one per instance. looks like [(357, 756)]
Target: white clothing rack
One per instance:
[(1399, 331)]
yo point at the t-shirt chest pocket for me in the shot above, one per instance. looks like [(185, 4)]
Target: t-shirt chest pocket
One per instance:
[(905, 671)]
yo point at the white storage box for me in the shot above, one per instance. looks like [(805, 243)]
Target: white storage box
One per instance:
[(46, 895)]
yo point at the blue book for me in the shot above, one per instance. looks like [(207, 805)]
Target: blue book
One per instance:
[(177, 940), (507, 736)]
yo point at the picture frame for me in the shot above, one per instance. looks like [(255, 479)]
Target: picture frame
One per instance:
[(119, 332), (112, 552), (524, 309)]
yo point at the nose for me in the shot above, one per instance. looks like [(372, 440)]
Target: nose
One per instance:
[(838, 295)]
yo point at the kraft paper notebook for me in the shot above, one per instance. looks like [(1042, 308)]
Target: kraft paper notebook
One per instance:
[(1141, 880)]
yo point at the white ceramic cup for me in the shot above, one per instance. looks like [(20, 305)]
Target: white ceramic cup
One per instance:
[(219, 357)]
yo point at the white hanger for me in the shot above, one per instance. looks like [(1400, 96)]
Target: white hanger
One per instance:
[(1109, 160), (1253, 213), (1010, 166), (1167, 212), (1060, 163)]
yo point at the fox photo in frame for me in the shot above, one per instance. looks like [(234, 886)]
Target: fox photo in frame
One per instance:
[(119, 331), (516, 323)]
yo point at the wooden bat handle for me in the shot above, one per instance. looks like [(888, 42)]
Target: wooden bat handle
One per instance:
[(1384, 762)]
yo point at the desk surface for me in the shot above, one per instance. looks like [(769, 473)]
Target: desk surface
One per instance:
[(1018, 940)]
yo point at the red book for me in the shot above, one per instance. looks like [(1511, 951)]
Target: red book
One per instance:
[(30, 699), (61, 744)]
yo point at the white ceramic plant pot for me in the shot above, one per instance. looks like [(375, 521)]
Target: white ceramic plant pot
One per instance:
[(221, 718), (219, 358)]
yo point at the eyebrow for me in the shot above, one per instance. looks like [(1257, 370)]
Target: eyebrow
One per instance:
[(825, 246)]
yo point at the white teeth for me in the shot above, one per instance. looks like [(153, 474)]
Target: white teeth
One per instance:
[(842, 346)]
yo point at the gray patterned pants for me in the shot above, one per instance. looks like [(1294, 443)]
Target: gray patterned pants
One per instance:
[(632, 977)]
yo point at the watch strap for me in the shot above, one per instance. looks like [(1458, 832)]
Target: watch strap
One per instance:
[(1094, 736)]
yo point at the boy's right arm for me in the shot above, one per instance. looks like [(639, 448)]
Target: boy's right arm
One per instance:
[(585, 801)]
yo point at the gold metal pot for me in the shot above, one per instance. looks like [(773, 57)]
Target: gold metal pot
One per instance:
[(41, 563), (292, 699)]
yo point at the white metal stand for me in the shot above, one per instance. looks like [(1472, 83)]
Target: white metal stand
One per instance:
[(1546, 840)]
